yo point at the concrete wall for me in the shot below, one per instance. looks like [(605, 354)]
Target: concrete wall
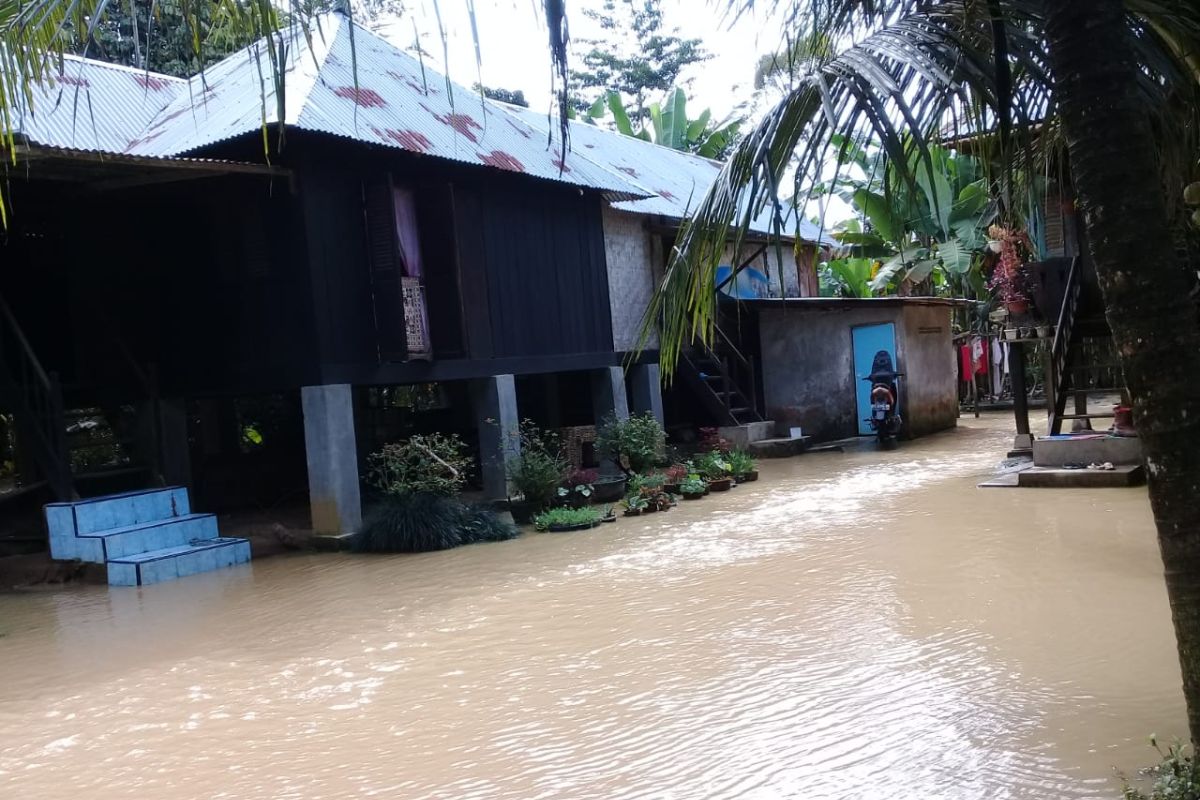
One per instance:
[(631, 256), (808, 365)]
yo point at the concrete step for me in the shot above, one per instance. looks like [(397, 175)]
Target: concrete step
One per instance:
[(170, 563), (1055, 451), (1057, 478), (120, 510), (149, 536), (779, 448), (742, 436)]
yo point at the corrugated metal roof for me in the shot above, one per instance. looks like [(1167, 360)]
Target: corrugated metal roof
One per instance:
[(95, 106), (678, 180), (367, 90)]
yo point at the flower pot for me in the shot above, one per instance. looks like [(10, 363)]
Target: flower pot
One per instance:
[(671, 488), (1123, 421), (609, 518), (609, 490), (633, 512), (749, 477), (693, 495), (720, 485), (1010, 334), (650, 509), (579, 526), (1017, 306), (574, 500)]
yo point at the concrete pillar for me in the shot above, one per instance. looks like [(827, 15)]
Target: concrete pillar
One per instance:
[(174, 454), (495, 402), (608, 394), (332, 454), (646, 381)]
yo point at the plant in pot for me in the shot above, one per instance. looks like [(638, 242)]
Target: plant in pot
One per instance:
[(711, 440), (562, 519), (693, 487), (577, 491), (609, 488), (742, 466), (634, 505), (636, 444), (675, 475), (1011, 251), (537, 473), (608, 515), (715, 469)]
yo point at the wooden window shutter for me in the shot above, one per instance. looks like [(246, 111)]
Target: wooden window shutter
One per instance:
[(383, 260)]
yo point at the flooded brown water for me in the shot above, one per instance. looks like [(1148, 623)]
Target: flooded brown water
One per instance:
[(854, 625)]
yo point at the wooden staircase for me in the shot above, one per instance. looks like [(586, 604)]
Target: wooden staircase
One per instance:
[(1083, 361), (723, 380)]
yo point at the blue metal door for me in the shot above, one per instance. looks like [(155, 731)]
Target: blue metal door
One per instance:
[(869, 340)]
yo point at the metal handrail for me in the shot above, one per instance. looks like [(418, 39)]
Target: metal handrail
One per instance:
[(1061, 344)]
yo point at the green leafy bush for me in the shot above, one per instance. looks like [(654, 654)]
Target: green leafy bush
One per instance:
[(539, 471), (423, 522), (432, 463), (1176, 776), (713, 466), (694, 484), (740, 462), (565, 516), (637, 443)]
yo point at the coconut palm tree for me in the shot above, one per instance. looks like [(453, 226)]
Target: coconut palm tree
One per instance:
[(1113, 82)]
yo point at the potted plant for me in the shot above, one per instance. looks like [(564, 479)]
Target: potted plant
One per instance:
[(609, 515), (675, 475), (1011, 250), (714, 468), (636, 444), (562, 519), (634, 505), (577, 489), (537, 473), (693, 487), (742, 466), (609, 488)]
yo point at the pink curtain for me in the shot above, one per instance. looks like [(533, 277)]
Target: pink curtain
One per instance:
[(405, 206)]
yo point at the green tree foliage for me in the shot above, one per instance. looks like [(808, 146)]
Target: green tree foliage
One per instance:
[(514, 97), (927, 233), (160, 36), (668, 125), (638, 56)]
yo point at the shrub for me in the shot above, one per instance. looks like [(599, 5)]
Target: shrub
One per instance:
[(635, 502), (565, 517), (424, 522), (482, 524), (432, 463), (636, 444), (1176, 776), (541, 467), (693, 484)]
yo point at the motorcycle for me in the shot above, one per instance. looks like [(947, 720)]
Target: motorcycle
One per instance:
[(885, 417)]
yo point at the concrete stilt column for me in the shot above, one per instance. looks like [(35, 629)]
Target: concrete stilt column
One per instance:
[(174, 454), (332, 454), (646, 382), (608, 394), (498, 420)]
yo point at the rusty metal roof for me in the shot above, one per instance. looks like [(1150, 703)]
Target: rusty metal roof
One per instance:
[(95, 106), (677, 181), (344, 80)]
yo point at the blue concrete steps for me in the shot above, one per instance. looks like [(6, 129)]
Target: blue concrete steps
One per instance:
[(156, 566), (145, 537), (164, 533)]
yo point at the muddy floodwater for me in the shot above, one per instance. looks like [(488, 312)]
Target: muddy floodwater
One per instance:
[(857, 625)]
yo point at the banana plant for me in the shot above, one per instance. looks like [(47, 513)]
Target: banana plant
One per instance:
[(928, 229), (669, 125)]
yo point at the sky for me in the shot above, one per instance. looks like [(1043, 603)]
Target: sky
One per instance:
[(514, 54)]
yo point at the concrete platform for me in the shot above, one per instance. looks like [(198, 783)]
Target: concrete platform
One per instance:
[(1058, 478), (779, 448), (742, 436), (1056, 452)]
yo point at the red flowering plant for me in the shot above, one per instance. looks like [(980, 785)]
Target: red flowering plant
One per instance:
[(712, 441), (1011, 250)]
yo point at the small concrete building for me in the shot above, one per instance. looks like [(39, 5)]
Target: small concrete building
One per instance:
[(815, 353)]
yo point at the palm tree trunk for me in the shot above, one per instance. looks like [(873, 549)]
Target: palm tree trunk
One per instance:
[(1145, 286)]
